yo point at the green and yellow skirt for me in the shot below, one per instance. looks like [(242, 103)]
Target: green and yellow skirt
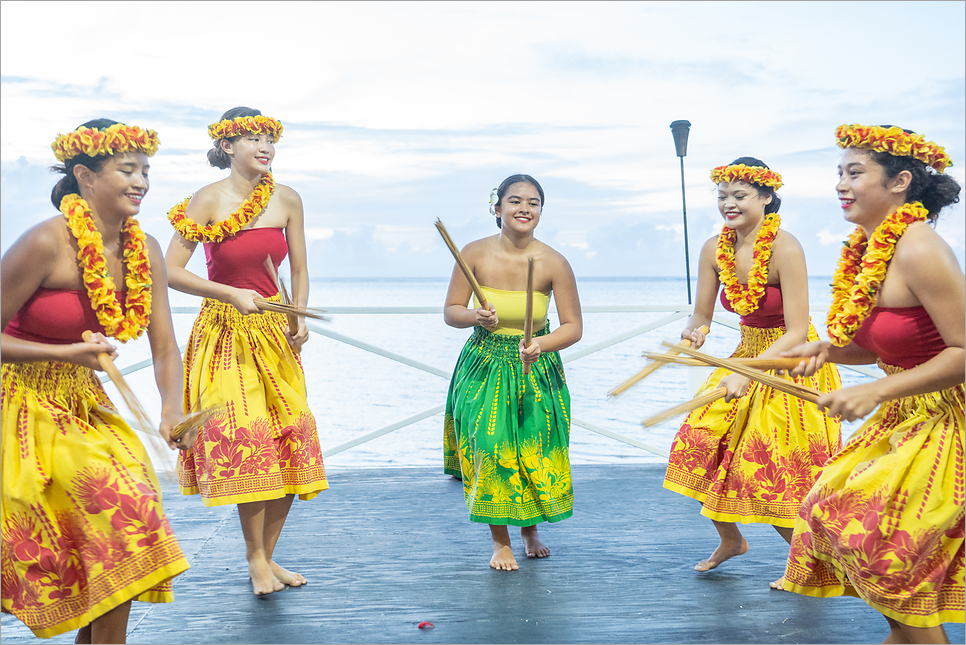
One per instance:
[(507, 435), (754, 459), (884, 522), (266, 445), (83, 526)]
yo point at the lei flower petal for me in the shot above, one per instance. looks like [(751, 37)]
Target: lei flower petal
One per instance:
[(748, 174), (100, 286), (862, 268), (97, 143), (744, 299), (894, 141), (245, 124), (238, 220)]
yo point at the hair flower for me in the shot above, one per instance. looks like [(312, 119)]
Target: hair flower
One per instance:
[(748, 174), (895, 141)]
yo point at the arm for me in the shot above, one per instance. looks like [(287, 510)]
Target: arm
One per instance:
[(708, 285), (925, 267), (24, 269), (455, 312), (168, 368), (295, 237), (564, 287), (180, 251)]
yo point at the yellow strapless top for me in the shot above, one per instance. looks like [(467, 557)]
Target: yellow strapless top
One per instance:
[(511, 308)]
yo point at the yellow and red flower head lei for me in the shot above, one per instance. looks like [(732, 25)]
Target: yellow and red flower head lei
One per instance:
[(100, 286), (744, 299), (238, 220), (97, 143), (748, 174), (861, 270), (244, 125), (894, 141)]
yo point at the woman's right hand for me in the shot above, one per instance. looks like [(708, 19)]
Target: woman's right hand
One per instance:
[(487, 318), (244, 300), (696, 336), (816, 353), (85, 353)]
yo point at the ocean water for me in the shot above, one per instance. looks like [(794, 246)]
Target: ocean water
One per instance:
[(353, 392)]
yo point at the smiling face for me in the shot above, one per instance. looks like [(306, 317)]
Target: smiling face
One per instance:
[(866, 194), (252, 151), (740, 205), (519, 210), (118, 186)]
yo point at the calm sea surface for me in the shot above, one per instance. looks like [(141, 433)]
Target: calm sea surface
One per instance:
[(353, 392)]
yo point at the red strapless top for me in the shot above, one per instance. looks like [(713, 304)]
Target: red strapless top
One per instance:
[(769, 312), (900, 336), (239, 261), (56, 316)]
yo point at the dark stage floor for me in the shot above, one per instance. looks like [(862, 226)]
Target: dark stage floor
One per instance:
[(386, 549)]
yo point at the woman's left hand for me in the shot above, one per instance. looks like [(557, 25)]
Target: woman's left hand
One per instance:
[(530, 355), (168, 423), (851, 403), (300, 337), (737, 386)]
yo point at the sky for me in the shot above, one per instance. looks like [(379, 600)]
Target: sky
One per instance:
[(400, 113)]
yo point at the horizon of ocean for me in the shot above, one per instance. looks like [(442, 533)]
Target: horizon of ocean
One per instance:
[(353, 392)]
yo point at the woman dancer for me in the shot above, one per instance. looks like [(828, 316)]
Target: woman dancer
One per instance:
[(84, 532), (752, 456), (266, 448), (507, 434), (885, 519)]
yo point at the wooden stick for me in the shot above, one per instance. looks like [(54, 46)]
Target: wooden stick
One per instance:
[(757, 363), (528, 321), (126, 392), (775, 382), (693, 404), (268, 305), (197, 420), (464, 267), (293, 320), (651, 367)]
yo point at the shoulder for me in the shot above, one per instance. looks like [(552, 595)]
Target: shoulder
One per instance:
[(286, 195), (921, 247), (479, 248), (44, 241), (554, 258), (786, 243), (204, 203)]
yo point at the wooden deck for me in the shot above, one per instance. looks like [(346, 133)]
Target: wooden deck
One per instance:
[(385, 549)]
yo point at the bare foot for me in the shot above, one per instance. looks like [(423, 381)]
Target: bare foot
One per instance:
[(722, 553), (503, 558), (287, 577), (263, 580), (532, 543), (778, 584)]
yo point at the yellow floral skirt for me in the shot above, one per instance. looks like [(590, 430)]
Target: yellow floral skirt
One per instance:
[(266, 445), (754, 459), (83, 526), (884, 522), (507, 434)]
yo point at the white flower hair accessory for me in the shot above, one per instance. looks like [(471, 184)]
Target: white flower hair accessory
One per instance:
[(494, 200)]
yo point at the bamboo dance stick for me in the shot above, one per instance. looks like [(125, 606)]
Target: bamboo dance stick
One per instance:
[(268, 305), (775, 382), (757, 363), (126, 392), (293, 320), (651, 367), (464, 267), (197, 419), (528, 321), (687, 406)]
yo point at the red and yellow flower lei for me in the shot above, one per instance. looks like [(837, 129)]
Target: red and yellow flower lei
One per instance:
[(96, 143), (748, 174), (744, 299), (894, 141), (861, 270), (236, 221), (245, 124), (100, 286)]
